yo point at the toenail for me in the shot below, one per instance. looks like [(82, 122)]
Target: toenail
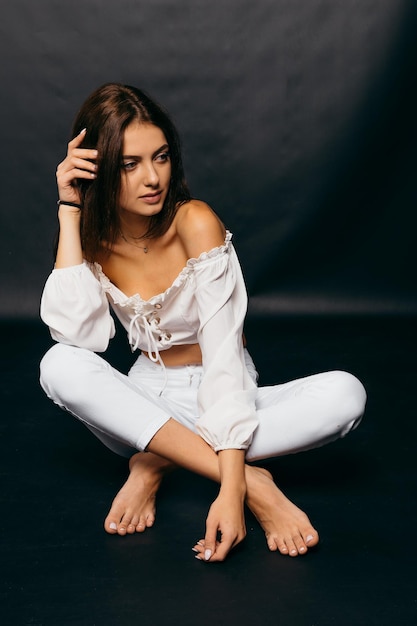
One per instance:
[(302, 549), (309, 537), (293, 551), (113, 526)]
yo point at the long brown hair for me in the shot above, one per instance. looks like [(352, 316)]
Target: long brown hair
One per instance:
[(106, 114)]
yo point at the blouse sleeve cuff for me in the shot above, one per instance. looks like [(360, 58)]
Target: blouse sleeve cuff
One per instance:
[(76, 309)]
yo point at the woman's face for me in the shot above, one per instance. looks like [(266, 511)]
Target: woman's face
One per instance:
[(146, 170)]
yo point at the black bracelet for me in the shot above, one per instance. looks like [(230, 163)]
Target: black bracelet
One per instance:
[(77, 206)]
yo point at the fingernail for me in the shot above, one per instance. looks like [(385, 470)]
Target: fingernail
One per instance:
[(309, 537), (207, 555), (83, 131), (198, 557), (113, 526), (194, 549)]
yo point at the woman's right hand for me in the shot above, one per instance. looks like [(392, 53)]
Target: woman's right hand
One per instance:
[(225, 528), (79, 163), (226, 517)]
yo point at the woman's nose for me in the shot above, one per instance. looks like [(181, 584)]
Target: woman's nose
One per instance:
[(151, 175)]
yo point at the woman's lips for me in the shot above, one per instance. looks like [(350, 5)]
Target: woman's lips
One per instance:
[(152, 198)]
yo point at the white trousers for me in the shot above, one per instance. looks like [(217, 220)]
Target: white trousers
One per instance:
[(125, 412)]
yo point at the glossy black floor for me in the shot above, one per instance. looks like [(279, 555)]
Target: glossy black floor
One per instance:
[(60, 568)]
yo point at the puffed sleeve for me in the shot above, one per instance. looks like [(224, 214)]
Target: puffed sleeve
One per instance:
[(75, 308), (227, 392)]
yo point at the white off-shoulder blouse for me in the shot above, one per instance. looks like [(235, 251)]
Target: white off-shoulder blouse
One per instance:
[(206, 304)]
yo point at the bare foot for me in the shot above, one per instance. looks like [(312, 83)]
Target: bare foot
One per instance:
[(286, 527), (133, 509)]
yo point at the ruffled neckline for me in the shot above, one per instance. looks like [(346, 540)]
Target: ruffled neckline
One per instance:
[(120, 298)]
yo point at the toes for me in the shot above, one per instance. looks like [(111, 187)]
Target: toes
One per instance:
[(300, 546), (114, 519), (150, 520), (311, 538), (122, 529), (126, 525), (112, 522), (116, 525), (110, 526), (292, 546), (297, 545), (282, 546), (131, 527), (145, 521), (274, 543)]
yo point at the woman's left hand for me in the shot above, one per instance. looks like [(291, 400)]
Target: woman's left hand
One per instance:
[(225, 519)]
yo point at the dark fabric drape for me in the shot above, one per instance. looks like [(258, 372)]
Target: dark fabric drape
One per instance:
[(298, 125)]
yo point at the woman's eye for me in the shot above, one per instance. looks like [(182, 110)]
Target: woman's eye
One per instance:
[(129, 165), (163, 157)]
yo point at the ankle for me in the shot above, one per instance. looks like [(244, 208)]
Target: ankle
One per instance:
[(149, 462)]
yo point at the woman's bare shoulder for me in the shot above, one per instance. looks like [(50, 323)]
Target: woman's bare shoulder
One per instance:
[(199, 228)]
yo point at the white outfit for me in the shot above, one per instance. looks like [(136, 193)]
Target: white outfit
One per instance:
[(206, 304)]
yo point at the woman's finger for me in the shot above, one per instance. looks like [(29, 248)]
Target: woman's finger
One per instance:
[(210, 539), (75, 150), (78, 139), (71, 175), (210, 549), (84, 153), (74, 162)]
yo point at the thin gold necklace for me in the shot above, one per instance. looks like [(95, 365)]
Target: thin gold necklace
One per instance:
[(144, 248)]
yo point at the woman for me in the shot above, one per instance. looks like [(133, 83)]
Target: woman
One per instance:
[(128, 226)]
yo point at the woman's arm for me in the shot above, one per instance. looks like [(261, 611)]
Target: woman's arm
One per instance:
[(220, 334), (77, 164), (226, 515), (226, 396), (73, 304)]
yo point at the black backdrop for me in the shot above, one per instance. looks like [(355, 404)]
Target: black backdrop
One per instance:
[(298, 124)]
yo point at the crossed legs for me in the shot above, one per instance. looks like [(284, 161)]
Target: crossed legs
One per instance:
[(109, 404), (286, 527)]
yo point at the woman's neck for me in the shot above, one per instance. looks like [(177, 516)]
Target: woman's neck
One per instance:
[(134, 226)]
